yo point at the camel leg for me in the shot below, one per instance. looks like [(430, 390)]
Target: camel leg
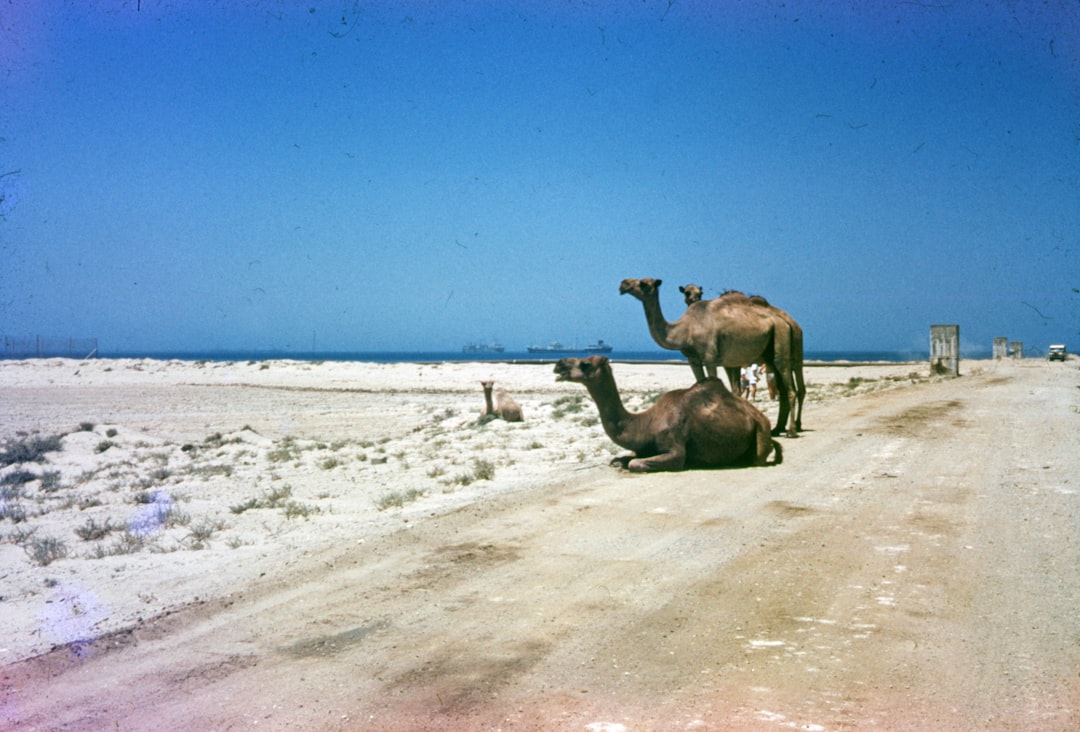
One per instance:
[(800, 395), (699, 371), (786, 414), (789, 391), (673, 459), (732, 378), (764, 440)]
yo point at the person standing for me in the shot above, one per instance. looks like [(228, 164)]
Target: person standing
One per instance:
[(749, 378)]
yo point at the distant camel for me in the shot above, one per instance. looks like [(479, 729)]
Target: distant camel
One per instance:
[(729, 331), (504, 407), (703, 426), (692, 293)]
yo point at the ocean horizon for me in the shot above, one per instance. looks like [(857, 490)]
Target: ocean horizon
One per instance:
[(461, 356)]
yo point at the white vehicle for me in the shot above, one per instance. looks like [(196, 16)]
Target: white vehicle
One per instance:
[(1056, 352)]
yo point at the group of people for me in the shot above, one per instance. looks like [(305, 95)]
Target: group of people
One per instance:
[(750, 376)]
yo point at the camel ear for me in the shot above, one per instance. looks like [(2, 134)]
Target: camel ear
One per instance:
[(682, 289)]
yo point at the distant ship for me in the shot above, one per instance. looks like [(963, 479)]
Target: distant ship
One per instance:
[(493, 347), (556, 347)]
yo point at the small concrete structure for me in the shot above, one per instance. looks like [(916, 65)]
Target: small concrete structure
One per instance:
[(1001, 348), (945, 349), (1016, 349)]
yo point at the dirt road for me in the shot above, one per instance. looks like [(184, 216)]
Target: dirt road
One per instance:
[(913, 564)]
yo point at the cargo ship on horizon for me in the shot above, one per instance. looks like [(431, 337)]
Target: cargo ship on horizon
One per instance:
[(556, 347)]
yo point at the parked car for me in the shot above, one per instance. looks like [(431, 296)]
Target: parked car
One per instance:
[(1056, 352)]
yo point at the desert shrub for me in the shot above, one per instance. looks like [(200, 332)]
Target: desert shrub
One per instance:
[(11, 492), (397, 499), (245, 506), (111, 432), (127, 543), (565, 405), (50, 481), (86, 427), (93, 531), (21, 536), (287, 451), (274, 498), (199, 534), (19, 477), (13, 511), (103, 446), (30, 449), (483, 470), (45, 550), (294, 509), (173, 516), (209, 470), (330, 463)]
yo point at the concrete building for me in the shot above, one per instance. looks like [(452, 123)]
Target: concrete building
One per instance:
[(945, 349)]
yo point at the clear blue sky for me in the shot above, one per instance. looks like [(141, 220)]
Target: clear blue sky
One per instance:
[(192, 175)]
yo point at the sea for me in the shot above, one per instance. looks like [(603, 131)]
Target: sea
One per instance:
[(458, 356)]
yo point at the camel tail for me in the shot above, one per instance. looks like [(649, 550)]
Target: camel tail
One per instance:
[(778, 456)]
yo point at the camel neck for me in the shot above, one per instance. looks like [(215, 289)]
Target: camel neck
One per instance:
[(613, 415), (659, 328)]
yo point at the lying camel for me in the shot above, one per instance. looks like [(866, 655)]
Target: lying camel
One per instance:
[(729, 331), (703, 426), (504, 407), (692, 293)]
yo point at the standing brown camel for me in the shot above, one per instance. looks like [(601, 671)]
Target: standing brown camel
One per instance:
[(692, 293), (729, 331), (703, 426), (504, 405)]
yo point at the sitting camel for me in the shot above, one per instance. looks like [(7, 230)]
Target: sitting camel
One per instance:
[(703, 426), (692, 293), (729, 331), (504, 407)]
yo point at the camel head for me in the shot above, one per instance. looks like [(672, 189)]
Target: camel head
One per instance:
[(641, 289), (582, 370), (691, 293)]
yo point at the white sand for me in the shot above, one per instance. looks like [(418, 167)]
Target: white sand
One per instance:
[(200, 477)]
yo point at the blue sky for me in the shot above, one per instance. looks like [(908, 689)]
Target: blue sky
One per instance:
[(182, 175)]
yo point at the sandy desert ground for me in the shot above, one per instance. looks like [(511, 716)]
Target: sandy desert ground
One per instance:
[(289, 545)]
